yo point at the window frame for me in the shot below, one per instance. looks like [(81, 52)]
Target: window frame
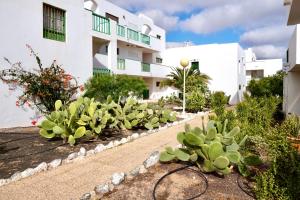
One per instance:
[(53, 18)]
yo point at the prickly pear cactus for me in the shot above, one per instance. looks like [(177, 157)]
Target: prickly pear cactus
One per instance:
[(213, 149)]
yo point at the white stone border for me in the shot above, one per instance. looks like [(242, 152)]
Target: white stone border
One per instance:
[(99, 148), (118, 178)]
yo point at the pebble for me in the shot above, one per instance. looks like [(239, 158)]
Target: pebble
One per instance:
[(135, 136), (72, 156), (152, 160), (123, 141), (117, 178), (82, 152), (16, 176), (99, 148), (110, 145), (116, 143), (28, 172), (3, 182), (54, 164), (135, 171), (86, 196), (90, 152), (41, 167), (101, 189)]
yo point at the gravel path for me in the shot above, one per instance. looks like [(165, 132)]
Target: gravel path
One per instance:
[(72, 180)]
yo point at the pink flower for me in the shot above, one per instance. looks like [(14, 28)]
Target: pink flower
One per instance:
[(81, 88), (17, 103), (33, 122)]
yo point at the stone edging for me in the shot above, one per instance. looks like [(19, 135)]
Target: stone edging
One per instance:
[(84, 153), (117, 178)]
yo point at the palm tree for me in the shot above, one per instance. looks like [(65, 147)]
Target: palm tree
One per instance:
[(175, 78)]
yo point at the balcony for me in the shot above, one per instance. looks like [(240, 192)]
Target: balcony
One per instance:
[(101, 24), (99, 71), (145, 67), (120, 30), (121, 64), (132, 34), (145, 39)]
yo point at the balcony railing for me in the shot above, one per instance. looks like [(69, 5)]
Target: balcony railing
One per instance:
[(99, 71), (120, 30), (145, 39), (145, 67), (121, 64), (132, 34), (101, 24)]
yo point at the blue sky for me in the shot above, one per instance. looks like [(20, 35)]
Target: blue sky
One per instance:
[(259, 24)]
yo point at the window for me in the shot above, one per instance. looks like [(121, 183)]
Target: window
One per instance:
[(157, 84), (287, 56), (118, 51), (159, 60), (106, 49), (195, 65), (158, 36), (54, 23)]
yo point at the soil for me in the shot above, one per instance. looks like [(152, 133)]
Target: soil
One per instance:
[(181, 185), (23, 148)]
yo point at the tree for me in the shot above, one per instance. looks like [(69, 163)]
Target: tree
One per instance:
[(176, 78), (116, 86), (268, 86)]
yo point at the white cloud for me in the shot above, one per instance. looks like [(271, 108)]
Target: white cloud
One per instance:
[(279, 35), (179, 44), (163, 20), (244, 14), (269, 51), (262, 21)]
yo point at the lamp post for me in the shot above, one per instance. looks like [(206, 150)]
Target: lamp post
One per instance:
[(184, 63)]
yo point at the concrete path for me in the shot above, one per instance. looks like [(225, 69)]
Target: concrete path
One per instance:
[(73, 180)]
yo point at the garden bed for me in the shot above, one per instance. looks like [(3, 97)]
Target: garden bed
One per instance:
[(24, 148), (181, 185)]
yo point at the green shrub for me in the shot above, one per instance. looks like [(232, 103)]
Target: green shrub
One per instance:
[(116, 86), (282, 179), (268, 86), (42, 87), (218, 102), (195, 101), (213, 148), (292, 125)]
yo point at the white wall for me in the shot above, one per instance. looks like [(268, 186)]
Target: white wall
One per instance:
[(22, 23), (294, 49), (219, 61), (292, 93)]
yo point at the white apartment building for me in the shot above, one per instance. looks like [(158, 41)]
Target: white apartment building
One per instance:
[(291, 91), (257, 69), (85, 37), (224, 63)]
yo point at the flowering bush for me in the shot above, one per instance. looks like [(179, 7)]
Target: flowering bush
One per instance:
[(42, 87)]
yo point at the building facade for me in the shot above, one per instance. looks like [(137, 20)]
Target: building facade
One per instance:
[(95, 36), (224, 63), (257, 69), (86, 37), (291, 104)]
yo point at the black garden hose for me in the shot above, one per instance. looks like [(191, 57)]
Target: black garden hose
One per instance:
[(179, 169), (242, 188)]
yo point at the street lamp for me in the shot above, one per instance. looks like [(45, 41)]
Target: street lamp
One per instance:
[(184, 63)]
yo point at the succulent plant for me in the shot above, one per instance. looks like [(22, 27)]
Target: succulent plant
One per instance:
[(213, 149), (87, 118)]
